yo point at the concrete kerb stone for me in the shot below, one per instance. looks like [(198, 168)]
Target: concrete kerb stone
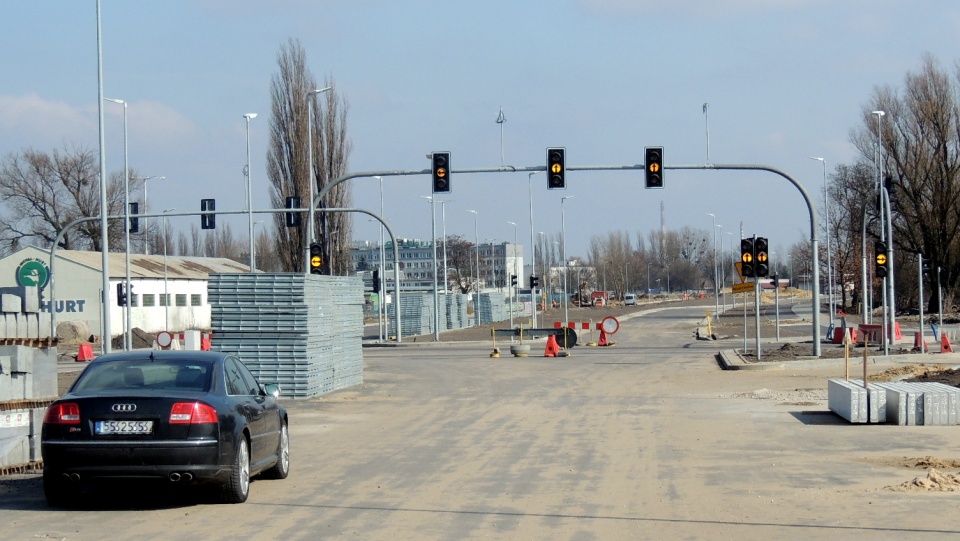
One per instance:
[(730, 359)]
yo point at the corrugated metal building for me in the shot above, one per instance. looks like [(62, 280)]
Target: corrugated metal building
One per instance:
[(168, 293)]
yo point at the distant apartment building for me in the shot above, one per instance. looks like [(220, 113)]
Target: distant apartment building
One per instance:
[(497, 263)]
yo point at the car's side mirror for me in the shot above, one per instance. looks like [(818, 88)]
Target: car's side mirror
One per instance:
[(272, 389)]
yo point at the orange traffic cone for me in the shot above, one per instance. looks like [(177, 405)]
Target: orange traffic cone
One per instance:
[(85, 353), (552, 347), (603, 339), (945, 343)]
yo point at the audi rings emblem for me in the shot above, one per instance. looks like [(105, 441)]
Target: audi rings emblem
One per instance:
[(124, 408)]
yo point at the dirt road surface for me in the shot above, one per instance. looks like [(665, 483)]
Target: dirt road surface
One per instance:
[(647, 439)]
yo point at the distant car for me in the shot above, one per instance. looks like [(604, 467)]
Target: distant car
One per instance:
[(177, 416), (629, 299)]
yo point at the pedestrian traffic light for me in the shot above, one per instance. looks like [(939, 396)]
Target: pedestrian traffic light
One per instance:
[(316, 260), (761, 267), (121, 295), (653, 158), (208, 221), (513, 280), (534, 281), (441, 172), (376, 280), (293, 219), (556, 169), (134, 226), (747, 268), (880, 251)]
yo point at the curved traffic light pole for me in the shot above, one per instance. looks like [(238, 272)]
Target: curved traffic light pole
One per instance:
[(814, 242), (105, 333)]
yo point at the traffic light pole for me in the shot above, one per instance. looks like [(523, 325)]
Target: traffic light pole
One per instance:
[(814, 241)]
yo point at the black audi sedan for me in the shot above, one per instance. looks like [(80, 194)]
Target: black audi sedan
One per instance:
[(179, 416)]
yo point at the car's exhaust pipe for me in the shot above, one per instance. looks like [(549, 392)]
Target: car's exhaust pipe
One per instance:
[(74, 477), (187, 476), (174, 477)]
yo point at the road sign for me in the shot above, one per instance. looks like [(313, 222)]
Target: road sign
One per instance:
[(743, 288), (738, 266)]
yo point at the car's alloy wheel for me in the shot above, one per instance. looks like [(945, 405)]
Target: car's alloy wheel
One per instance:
[(281, 469), (237, 487)]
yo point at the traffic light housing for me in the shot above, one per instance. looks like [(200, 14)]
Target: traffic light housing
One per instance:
[(534, 281), (441, 172), (513, 280), (376, 280), (121, 295), (653, 172), (556, 169), (761, 257), (292, 219), (316, 259), (925, 266), (747, 262), (208, 221), (880, 255), (134, 226)]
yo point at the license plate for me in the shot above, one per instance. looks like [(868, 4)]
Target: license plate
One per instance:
[(123, 427)]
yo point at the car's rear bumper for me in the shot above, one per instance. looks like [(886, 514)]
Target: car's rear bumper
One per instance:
[(135, 459)]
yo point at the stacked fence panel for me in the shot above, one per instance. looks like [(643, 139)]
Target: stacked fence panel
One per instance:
[(455, 309), (491, 307), (301, 331)]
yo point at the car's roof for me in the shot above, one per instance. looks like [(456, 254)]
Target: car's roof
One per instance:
[(169, 355)]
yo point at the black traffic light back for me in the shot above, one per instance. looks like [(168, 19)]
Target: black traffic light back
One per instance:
[(880, 251), (134, 209), (292, 219), (747, 268), (653, 172), (441, 172), (556, 168), (208, 221)]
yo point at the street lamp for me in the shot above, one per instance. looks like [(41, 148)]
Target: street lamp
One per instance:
[(146, 243), (563, 246), (889, 290), (382, 308), (166, 295), (515, 273), (826, 218), (716, 288), (443, 222), (476, 240), (311, 96), (246, 174), (433, 242), (254, 247), (127, 337), (533, 254)]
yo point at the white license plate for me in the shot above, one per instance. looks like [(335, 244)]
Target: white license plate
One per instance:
[(123, 427)]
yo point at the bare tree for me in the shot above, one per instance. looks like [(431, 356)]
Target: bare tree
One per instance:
[(287, 160), (460, 267), (45, 192)]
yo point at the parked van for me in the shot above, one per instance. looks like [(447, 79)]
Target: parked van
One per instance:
[(629, 299)]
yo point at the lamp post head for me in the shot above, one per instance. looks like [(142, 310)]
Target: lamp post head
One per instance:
[(248, 116), (114, 100), (879, 113), (818, 159)]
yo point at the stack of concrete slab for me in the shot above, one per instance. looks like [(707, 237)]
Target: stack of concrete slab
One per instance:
[(28, 383), (850, 400), (901, 403)]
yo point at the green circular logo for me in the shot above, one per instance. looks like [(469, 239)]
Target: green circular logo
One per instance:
[(33, 272)]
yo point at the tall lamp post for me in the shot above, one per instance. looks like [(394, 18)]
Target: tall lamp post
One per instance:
[(311, 97), (826, 223), (146, 243), (166, 294), (246, 174), (716, 288), (533, 254), (443, 223), (476, 297), (563, 255), (436, 296), (127, 340), (255, 224), (513, 293), (889, 290), (382, 307)]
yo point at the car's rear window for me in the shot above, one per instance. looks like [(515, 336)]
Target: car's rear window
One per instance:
[(163, 374)]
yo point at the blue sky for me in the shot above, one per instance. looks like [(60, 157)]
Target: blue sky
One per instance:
[(785, 80)]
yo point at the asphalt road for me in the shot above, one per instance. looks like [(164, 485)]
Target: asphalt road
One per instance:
[(647, 439)]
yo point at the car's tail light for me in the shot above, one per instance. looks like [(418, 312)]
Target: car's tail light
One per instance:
[(192, 413), (65, 413)]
